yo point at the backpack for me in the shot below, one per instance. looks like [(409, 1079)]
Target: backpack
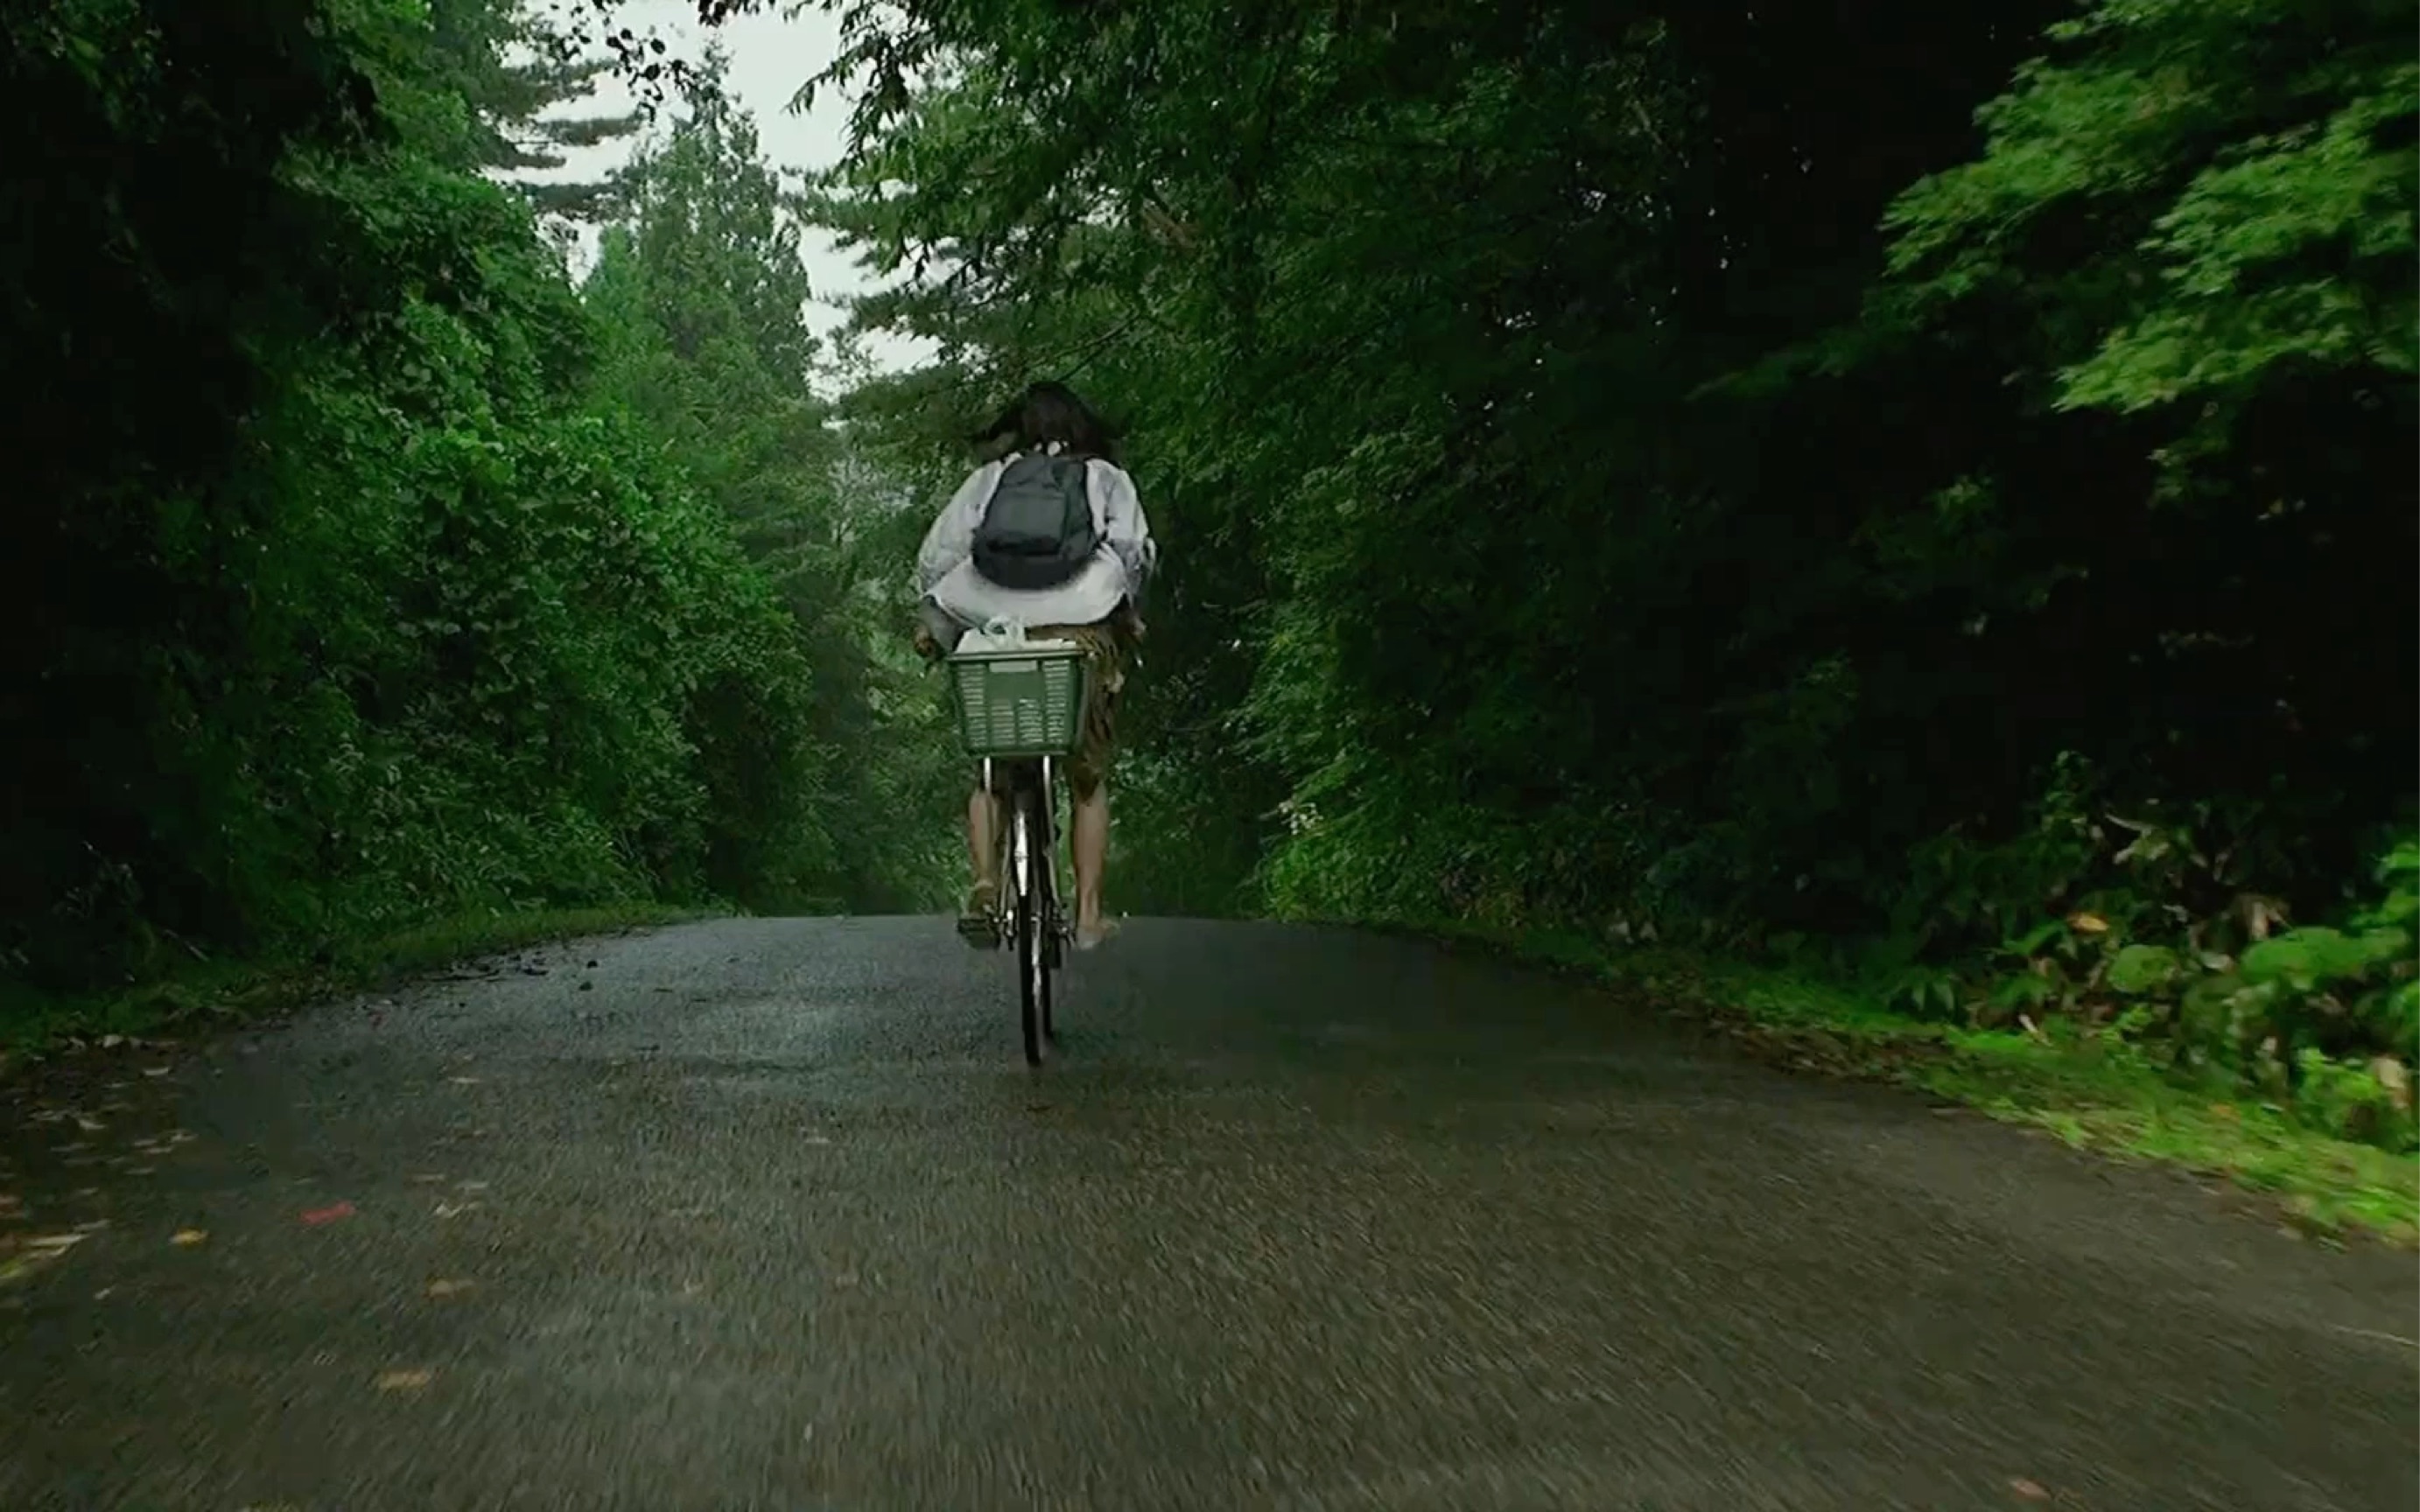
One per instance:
[(1037, 531)]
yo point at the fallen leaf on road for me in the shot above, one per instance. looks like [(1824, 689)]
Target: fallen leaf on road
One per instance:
[(464, 1081), (37, 1253), (471, 1186), (454, 1210), (155, 1070), (449, 1289), (329, 1215), (187, 1237), (429, 1177), (405, 1380), (2030, 1490)]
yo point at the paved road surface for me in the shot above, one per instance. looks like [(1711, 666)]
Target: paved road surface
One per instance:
[(769, 1214)]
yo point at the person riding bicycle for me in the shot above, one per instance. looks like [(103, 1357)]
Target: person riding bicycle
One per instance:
[(1050, 535)]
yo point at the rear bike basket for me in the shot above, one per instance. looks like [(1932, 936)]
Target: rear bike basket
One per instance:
[(1022, 700)]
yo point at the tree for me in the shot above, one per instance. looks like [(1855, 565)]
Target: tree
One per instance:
[(147, 326), (518, 69), (703, 295), (343, 604)]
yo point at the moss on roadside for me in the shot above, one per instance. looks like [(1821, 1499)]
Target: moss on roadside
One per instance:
[(2078, 1089), (232, 992)]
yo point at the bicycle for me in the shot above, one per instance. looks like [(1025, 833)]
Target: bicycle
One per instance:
[(1020, 707)]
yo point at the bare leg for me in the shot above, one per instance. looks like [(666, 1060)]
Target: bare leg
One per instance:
[(1092, 847), (982, 836)]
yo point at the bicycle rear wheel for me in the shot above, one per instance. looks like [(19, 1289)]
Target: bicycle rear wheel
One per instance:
[(1053, 921)]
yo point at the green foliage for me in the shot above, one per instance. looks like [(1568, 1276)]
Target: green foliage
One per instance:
[(506, 70), (376, 591), (2140, 970), (2250, 167), (700, 299), (2322, 1017)]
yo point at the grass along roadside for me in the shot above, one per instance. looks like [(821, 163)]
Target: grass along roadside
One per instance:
[(211, 994), (2075, 1089)]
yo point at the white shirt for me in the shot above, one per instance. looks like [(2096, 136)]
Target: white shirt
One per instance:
[(946, 568)]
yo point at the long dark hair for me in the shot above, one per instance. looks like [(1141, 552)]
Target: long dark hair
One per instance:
[(1048, 412)]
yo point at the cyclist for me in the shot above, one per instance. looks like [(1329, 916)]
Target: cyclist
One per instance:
[(1050, 535)]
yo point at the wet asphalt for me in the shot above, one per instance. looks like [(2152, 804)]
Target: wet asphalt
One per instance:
[(769, 1213)]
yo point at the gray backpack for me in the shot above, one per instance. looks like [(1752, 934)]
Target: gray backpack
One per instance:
[(1037, 531)]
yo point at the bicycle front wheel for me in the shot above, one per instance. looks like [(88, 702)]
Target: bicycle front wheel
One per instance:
[(1031, 852)]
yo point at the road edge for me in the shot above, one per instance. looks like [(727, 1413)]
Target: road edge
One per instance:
[(2320, 1185), (212, 996)]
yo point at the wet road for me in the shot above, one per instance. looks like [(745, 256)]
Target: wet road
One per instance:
[(770, 1215)]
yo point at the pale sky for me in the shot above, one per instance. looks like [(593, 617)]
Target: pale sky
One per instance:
[(770, 57)]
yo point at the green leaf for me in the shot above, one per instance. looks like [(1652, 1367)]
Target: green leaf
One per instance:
[(2137, 970), (2315, 956)]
